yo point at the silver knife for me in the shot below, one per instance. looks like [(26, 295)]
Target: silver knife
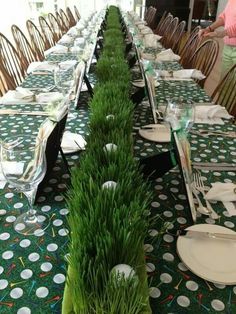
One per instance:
[(204, 234)]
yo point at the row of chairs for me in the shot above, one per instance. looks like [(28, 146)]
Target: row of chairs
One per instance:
[(195, 53), (15, 59)]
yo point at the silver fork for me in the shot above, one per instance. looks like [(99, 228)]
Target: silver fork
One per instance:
[(199, 185)]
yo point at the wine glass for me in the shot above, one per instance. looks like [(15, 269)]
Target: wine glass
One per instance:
[(180, 114), (23, 164), (64, 79)]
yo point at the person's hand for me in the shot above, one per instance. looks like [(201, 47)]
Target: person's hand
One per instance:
[(204, 32)]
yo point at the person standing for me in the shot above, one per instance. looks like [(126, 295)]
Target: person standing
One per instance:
[(227, 19)]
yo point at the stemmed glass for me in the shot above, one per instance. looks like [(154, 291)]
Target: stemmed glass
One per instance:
[(23, 165), (180, 114), (64, 79)]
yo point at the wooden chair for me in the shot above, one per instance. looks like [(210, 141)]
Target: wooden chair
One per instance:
[(47, 31), (77, 14), (24, 48), (70, 17), (164, 25), (174, 39), (204, 58), (61, 24), (156, 31), (189, 47), (169, 31), (11, 72), (38, 41), (65, 19), (3, 87), (55, 26), (225, 92), (150, 17)]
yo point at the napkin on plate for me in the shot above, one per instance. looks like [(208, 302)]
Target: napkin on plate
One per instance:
[(48, 97), (211, 114), (41, 66), (146, 30), (56, 49), (66, 39), (189, 73), (150, 40), (54, 104), (73, 31), (72, 142), (66, 65), (20, 95), (167, 55), (224, 192)]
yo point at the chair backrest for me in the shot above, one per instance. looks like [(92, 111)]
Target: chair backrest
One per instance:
[(156, 31), (150, 18), (65, 19), (175, 38), (3, 87), (12, 72), (190, 46), (24, 48), (47, 31), (204, 58), (225, 92), (169, 30), (70, 17), (77, 14), (165, 24), (37, 39), (61, 24), (55, 26)]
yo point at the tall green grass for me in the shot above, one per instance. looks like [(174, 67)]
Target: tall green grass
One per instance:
[(108, 226)]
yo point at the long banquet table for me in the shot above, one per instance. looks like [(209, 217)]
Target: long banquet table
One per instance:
[(33, 268)]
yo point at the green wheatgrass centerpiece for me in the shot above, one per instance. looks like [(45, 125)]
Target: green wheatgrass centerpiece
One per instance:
[(108, 200)]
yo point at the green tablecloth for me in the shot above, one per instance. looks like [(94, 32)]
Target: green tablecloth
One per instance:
[(33, 269)]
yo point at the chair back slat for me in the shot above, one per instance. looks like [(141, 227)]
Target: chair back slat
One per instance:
[(12, 72), (204, 58), (225, 92), (47, 31), (38, 41), (55, 26)]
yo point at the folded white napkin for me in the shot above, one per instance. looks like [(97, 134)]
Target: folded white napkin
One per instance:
[(150, 40), (72, 142), (211, 114), (73, 31), (20, 95), (189, 73), (140, 25), (167, 55), (41, 66), (146, 30), (224, 192), (66, 65), (48, 97), (56, 49), (57, 108), (66, 39)]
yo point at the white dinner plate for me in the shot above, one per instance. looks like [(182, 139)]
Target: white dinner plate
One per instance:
[(141, 83), (156, 132), (210, 258)]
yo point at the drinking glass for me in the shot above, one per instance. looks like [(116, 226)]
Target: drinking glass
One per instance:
[(180, 114), (64, 79), (23, 165)]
